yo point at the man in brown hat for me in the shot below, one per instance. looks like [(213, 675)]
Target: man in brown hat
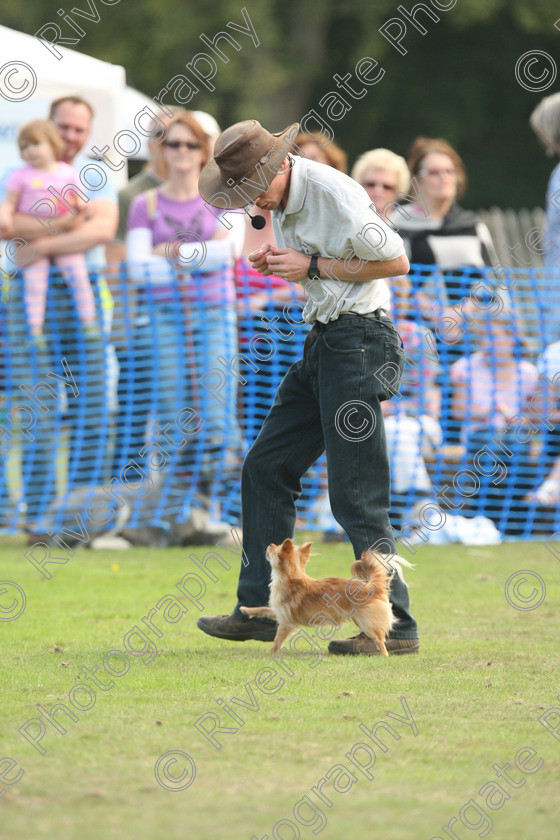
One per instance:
[(331, 241)]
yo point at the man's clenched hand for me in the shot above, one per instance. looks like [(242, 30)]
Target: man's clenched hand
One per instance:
[(288, 264)]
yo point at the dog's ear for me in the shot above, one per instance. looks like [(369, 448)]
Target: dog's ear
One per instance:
[(305, 551), (287, 547), (357, 569)]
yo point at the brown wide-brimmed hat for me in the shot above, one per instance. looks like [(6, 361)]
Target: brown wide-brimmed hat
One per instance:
[(246, 159)]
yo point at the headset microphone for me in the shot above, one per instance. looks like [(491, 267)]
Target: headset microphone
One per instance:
[(258, 222)]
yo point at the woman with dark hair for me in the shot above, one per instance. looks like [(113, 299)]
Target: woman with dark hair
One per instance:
[(438, 231)]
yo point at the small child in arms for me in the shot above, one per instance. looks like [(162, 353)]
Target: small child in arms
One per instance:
[(40, 147)]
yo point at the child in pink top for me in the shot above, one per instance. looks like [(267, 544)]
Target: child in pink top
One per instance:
[(40, 146)]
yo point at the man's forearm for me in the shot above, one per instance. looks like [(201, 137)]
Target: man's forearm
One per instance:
[(73, 242), (361, 271), (29, 227), (293, 266), (99, 228)]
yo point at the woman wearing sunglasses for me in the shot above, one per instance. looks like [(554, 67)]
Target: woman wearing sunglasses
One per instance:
[(384, 176), (182, 257)]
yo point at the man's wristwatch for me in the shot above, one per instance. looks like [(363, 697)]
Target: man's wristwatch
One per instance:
[(313, 271)]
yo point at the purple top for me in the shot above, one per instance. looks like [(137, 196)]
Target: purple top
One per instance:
[(196, 223)]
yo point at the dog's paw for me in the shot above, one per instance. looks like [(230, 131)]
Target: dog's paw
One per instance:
[(244, 610)]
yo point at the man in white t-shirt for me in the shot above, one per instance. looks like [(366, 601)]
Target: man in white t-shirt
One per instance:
[(332, 242)]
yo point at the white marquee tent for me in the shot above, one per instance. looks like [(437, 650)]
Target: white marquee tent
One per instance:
[(25, 61)]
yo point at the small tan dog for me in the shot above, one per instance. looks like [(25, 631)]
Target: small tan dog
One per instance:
[(296, 598)]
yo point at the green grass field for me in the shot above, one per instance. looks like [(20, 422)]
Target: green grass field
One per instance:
[(485, 674)]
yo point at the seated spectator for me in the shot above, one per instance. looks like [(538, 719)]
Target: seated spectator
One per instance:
[(384, 176), (548, 366), (439, 231), (185, 323), (412, 421), (420, 393), (322, 150), (491, 388), (545, 122), (547, 493), (41, 147)]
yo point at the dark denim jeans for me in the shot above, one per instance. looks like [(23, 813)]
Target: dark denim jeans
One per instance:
[(328, 401)]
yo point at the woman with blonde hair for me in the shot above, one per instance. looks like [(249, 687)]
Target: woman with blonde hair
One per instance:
[(384, 176)]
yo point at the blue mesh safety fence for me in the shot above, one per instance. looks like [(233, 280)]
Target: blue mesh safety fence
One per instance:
[(145, 415)]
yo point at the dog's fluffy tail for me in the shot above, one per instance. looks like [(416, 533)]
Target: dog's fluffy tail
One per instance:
[(379, 569), (396, 563)]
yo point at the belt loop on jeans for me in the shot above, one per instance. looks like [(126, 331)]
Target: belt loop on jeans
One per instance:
[(376, 315), (372, 316)]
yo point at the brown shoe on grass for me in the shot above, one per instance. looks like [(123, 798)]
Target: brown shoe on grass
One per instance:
[(234, 628), (362, 644)]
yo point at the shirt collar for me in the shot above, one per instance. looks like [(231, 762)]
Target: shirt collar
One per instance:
[(298, 187)]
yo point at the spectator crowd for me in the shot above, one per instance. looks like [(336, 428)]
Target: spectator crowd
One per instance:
[(149, 298)]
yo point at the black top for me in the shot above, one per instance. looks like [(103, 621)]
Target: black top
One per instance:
[(460, 241)]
